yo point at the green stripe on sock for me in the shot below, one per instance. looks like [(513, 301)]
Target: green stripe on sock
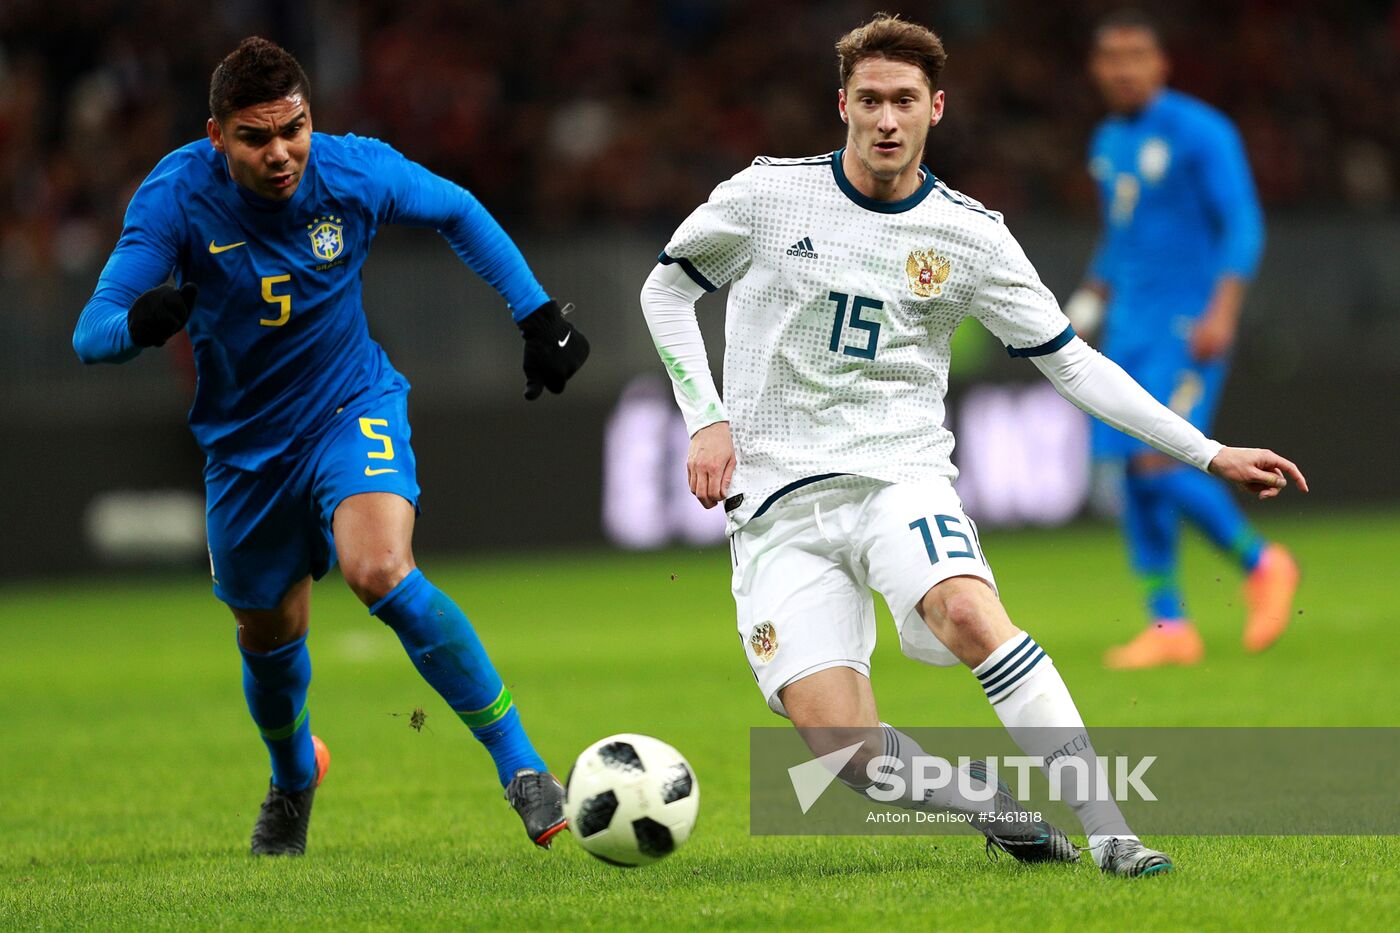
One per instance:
[(285, 732), (1155, 582), (1245, 542), (476, 719)]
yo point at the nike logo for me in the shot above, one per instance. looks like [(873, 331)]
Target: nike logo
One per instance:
[(566, 338), (370, 471), (215, 250)]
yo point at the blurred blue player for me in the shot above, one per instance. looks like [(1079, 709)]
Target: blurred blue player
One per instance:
[(1182, 236), (265, 227)]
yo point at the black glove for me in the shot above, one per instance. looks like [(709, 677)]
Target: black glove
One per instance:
[(160, 313), (554, 349)]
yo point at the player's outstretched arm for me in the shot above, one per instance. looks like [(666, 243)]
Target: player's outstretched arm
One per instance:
[(407, 193), (1100, 387), (1257, 471)]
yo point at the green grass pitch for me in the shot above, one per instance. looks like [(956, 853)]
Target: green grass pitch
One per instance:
[(131, 774)]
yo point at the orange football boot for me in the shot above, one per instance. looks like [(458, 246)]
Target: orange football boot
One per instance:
[(323, 759), (1169, 641), (285, 815), (1269, 591)]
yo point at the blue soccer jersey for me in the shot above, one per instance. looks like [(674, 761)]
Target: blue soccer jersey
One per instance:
[(279, 332), (1179, 211)]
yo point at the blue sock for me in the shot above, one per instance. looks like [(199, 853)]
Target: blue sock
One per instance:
[(275, 685), (1152, 530), (1207, 504), (446, 651)]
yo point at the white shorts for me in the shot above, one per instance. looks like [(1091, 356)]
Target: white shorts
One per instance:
[(804, 573)]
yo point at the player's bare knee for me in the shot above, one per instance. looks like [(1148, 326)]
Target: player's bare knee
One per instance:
[(264, 630), (374, 577), (967, 617), (954, 612)]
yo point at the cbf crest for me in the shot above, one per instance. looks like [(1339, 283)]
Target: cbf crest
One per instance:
[(927, 270), (1154, 158), (327, 237)]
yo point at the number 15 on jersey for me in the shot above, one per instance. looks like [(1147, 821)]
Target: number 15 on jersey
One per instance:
[(849, 318)]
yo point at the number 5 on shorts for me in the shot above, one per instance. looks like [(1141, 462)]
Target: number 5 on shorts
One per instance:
[(944, 532), (367, 426)]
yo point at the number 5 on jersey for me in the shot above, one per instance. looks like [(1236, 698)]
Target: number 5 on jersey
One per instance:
[(367, 426), (283, 302)]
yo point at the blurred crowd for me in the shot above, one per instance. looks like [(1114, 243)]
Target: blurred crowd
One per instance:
[(562, 114)]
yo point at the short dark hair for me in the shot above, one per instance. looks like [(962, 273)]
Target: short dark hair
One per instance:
[(254, 73), (890, 37), (1128, 19)]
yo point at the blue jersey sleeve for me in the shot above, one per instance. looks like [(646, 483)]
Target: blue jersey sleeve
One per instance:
[(146, 253), (1099, 262), (1228, 188), (415, 196)]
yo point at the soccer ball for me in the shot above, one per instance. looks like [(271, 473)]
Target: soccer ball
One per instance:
[(631, 799)]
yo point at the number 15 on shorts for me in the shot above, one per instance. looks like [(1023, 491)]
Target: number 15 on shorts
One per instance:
[(951, 541)]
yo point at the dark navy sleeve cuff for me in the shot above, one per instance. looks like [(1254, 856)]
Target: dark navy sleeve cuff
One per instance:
[(1049, 346), (689, 268)]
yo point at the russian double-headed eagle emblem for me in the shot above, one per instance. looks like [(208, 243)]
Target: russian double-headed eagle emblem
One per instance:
[(927, 270), (327, 239), (764, 642)]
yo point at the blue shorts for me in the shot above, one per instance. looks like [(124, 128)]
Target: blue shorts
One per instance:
[(270, 528), (1167, 371)]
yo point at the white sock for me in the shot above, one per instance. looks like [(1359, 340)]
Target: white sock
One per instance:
[(1034, 705), (963, 793)]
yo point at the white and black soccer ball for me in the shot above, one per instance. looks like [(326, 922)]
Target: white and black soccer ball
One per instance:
[(631, 799)]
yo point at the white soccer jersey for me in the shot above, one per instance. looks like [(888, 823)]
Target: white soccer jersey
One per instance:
[(841, 309)]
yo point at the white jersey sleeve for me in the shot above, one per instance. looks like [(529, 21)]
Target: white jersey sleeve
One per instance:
[(1099, 386), (713, 244), (668, 303), (1014, 304)]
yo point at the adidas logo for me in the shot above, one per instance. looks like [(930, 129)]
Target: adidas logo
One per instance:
[(804, 249)]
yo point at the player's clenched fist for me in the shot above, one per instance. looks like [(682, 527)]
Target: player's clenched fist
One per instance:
[(159, 314), (710, 463), (1261, 472), (554, 349)]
